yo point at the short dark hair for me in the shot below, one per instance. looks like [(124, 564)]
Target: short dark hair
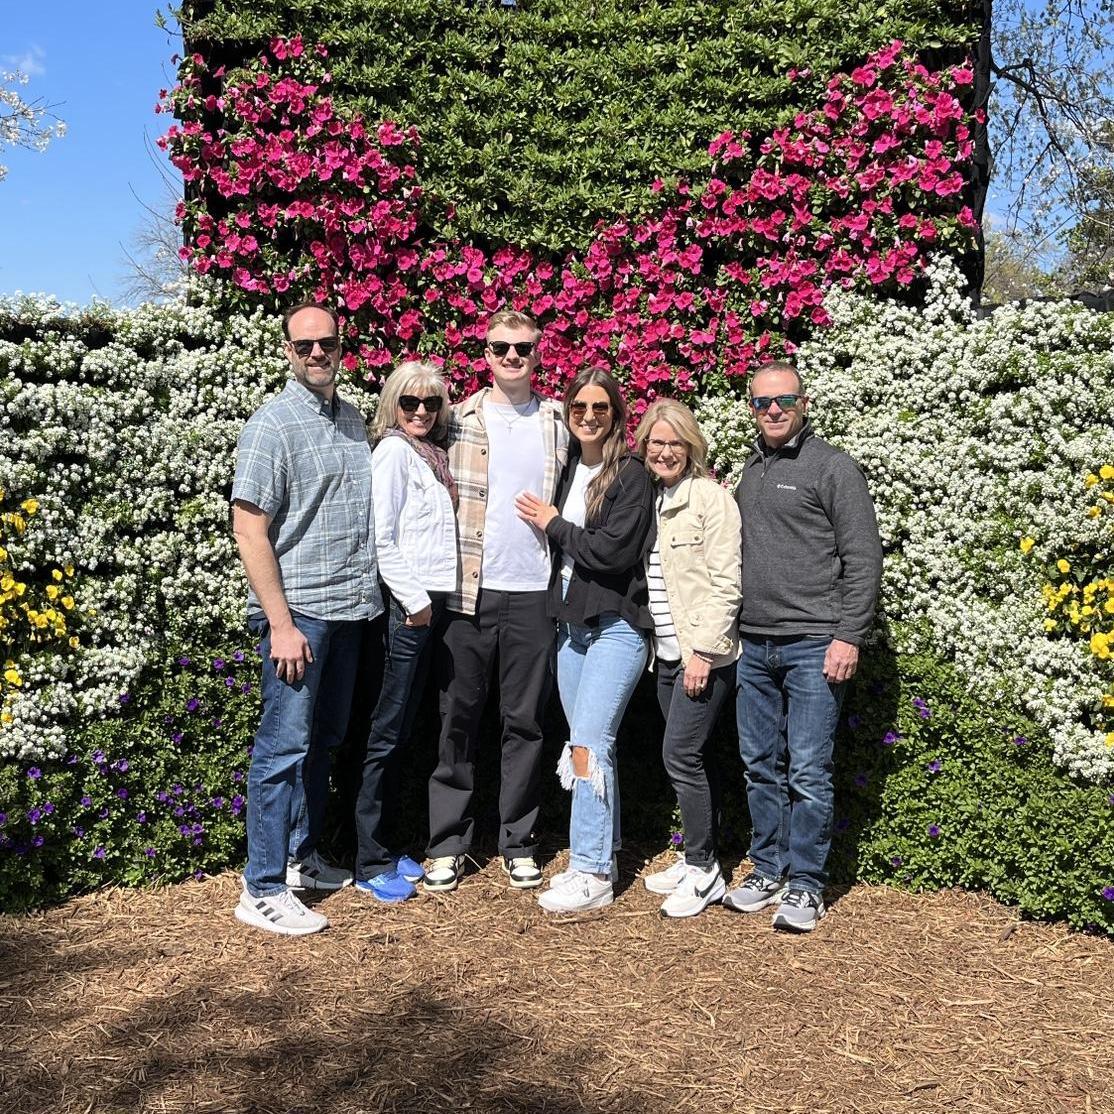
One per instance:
[(308, 305), (777, 365)]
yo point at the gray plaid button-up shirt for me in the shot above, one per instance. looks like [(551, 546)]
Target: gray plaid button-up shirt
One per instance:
[(306, 464)]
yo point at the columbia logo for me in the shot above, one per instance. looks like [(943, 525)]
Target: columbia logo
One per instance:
[(786, 487)]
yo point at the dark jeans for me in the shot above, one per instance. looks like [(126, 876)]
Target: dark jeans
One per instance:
[(787, 714), (689, 722), (406, 656), (513, 627), (302, 723)]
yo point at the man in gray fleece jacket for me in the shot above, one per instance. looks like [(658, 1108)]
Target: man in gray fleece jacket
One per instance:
[(812, 561)]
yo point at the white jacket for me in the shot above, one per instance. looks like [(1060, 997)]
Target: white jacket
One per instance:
[(415, 526)]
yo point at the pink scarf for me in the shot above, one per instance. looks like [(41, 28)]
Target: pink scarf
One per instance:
[(436, 458)]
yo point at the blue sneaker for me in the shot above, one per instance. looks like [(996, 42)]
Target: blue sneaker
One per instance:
[(409, 869), (390, 887)]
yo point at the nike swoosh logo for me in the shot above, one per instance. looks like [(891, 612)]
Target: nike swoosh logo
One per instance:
[(708, 889)]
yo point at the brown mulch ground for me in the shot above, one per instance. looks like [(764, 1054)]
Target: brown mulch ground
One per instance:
[(161, 1001)]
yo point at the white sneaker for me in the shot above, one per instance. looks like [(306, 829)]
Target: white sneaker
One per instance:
[(562, 876), (314, 873), (666, 881), (282, 913), (580, 891), (695, 892)]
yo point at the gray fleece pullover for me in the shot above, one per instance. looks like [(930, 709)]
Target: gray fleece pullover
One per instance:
[(812, 557)]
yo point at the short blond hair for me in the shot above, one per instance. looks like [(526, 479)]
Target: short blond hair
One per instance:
[(680, 419), (512, 319), (411, 377)]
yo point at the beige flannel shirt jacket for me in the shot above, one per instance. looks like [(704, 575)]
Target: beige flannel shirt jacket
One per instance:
[(468, 459)]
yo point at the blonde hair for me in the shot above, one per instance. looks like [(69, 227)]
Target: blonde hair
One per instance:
[(680, 419), (512, 319), (411, 377)]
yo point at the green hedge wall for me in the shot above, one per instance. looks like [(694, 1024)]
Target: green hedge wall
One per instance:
[(539, 120)]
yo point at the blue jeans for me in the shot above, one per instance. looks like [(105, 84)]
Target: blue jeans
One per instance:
[(405, 665), (787, 715), (302, 724), (597, 669)]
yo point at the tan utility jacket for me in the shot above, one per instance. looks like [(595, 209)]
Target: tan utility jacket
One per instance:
[(701, 563)]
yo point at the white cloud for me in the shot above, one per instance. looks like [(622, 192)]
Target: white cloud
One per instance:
[(29, 62)]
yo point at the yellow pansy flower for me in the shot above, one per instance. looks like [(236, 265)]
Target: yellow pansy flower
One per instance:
[(1090, 480), (1063, 566), (52, 591), (56, 576), (12, 677), (1107, 471), (1050, 624), (1026, 544), (74, 642), (67, 602), (1093, 512), (69, 570), (31, 506)]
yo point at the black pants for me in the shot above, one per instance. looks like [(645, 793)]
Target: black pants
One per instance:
[(688, 725), (513, 627)]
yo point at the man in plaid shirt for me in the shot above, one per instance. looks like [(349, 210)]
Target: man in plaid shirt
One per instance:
[(502, 441), (302, 519)]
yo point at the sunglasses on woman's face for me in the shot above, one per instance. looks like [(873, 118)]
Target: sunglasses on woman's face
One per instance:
[(304, 347), (501, 347), (409, 404), (599, 409)]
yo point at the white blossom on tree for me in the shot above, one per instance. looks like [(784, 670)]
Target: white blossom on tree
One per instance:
[(23, 123)]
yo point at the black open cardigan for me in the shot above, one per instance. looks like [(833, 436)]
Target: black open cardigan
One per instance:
[(608, 552)]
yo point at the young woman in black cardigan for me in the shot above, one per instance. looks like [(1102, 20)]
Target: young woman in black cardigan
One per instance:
[(598, 597)]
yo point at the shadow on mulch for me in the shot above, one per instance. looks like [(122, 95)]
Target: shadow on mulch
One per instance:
[(161, 1001)]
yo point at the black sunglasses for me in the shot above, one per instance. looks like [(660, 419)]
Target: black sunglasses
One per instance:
[(599, 409), (501, 347), (762, 403), (409, 404), (305, 347)]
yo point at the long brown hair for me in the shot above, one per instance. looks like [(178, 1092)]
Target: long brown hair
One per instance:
[(614, 444)]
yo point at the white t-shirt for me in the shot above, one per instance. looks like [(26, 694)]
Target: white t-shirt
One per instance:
[(576, 506), (516, 554)]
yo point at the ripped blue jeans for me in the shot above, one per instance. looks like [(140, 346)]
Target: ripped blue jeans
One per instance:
[(597, 669)]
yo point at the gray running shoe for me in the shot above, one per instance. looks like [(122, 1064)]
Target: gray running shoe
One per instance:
[(755, 893), (799, 912)]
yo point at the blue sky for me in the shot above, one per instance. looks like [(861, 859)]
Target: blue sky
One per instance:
[(66, 212)]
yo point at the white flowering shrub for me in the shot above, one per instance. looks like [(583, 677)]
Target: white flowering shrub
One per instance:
[(982, 441), (121, 426)]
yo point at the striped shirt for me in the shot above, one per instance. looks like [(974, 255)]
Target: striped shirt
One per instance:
[(666, 646), (468, 459), (306, 464)]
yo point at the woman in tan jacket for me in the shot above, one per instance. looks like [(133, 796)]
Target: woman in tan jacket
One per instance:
[(694, 577)]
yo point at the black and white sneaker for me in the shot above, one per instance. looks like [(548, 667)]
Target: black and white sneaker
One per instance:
[(695, 892), (282, 913), (315, 873), (522, 871), (443, 873)]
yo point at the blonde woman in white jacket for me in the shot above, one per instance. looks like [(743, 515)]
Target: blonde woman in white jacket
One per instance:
[(414, 505), (694, 575)]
